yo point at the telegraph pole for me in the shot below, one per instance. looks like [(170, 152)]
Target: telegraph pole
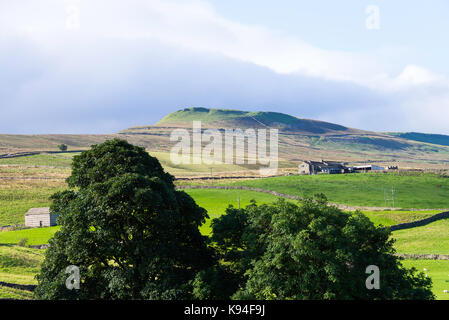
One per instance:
[(392, 195), (389, 199)]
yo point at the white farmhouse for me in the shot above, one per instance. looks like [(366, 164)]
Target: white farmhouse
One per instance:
[(40, 217)]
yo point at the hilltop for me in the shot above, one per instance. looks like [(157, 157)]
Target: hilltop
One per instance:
[(227, 118)]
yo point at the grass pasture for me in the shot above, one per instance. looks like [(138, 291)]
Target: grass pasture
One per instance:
[(18, 265), (420, 191), (24, 187), (53, 159), (34, 236), (17, 196), (437, 270), (390, 218), (15, 294), (432, 239), (216, 201)]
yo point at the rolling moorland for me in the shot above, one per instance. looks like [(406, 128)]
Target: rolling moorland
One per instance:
[(299, 139), (28, 181)]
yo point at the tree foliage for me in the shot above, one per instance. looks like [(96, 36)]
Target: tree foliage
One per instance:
[(311, 251), (132, 235)]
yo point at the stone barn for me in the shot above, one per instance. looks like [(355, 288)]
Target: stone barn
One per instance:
[(315, 167), (40, 217)]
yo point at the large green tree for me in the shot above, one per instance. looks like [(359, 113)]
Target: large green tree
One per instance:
[(311, 251), (123, 224)]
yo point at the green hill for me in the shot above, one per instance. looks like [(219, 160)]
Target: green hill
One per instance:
[(242, 119), (301, 138)]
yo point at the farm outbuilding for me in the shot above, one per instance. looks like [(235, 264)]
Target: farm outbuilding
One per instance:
[(316, 167), (370, 167), (40, 217)]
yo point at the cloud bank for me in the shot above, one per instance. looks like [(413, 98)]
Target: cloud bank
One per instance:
[(100, 66)]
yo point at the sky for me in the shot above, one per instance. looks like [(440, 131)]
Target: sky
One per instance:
[(100, 66)]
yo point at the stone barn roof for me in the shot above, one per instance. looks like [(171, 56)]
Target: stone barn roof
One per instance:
[(37, 211)]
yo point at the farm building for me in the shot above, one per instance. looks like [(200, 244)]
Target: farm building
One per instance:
[(315, 167), (40, 217), (368, 168)]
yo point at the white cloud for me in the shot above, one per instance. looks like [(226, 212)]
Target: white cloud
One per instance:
[(194, 25), (97, 49)]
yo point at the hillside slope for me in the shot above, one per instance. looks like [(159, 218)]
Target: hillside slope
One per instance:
[(302, 139), (440, 139)]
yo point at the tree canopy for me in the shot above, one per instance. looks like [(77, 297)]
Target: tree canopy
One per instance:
[(130, 233), (311, 251)]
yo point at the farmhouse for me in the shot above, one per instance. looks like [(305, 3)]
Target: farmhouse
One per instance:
[(329, 167), (40, 217)]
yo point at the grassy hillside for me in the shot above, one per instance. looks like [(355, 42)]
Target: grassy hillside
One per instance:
[(431, 238), (11, 293), (420, 191), (18, 265), (243, 119), (17, 196), (390, 218), (58, 160), (440, 139), (302, 139), (437, 270)]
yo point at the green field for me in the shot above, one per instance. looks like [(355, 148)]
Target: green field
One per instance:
[(11, 293), (216, 201), (18, 265), (420, 191), (34, 236), (390, 218), (18, 196), (57, 160), (432, 238), (437, 270)]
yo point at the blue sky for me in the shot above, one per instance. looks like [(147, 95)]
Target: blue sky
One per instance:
[(99, 66), (420, 27)]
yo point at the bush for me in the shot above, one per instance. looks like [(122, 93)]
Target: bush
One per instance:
[(62, 147), (23, 242)]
